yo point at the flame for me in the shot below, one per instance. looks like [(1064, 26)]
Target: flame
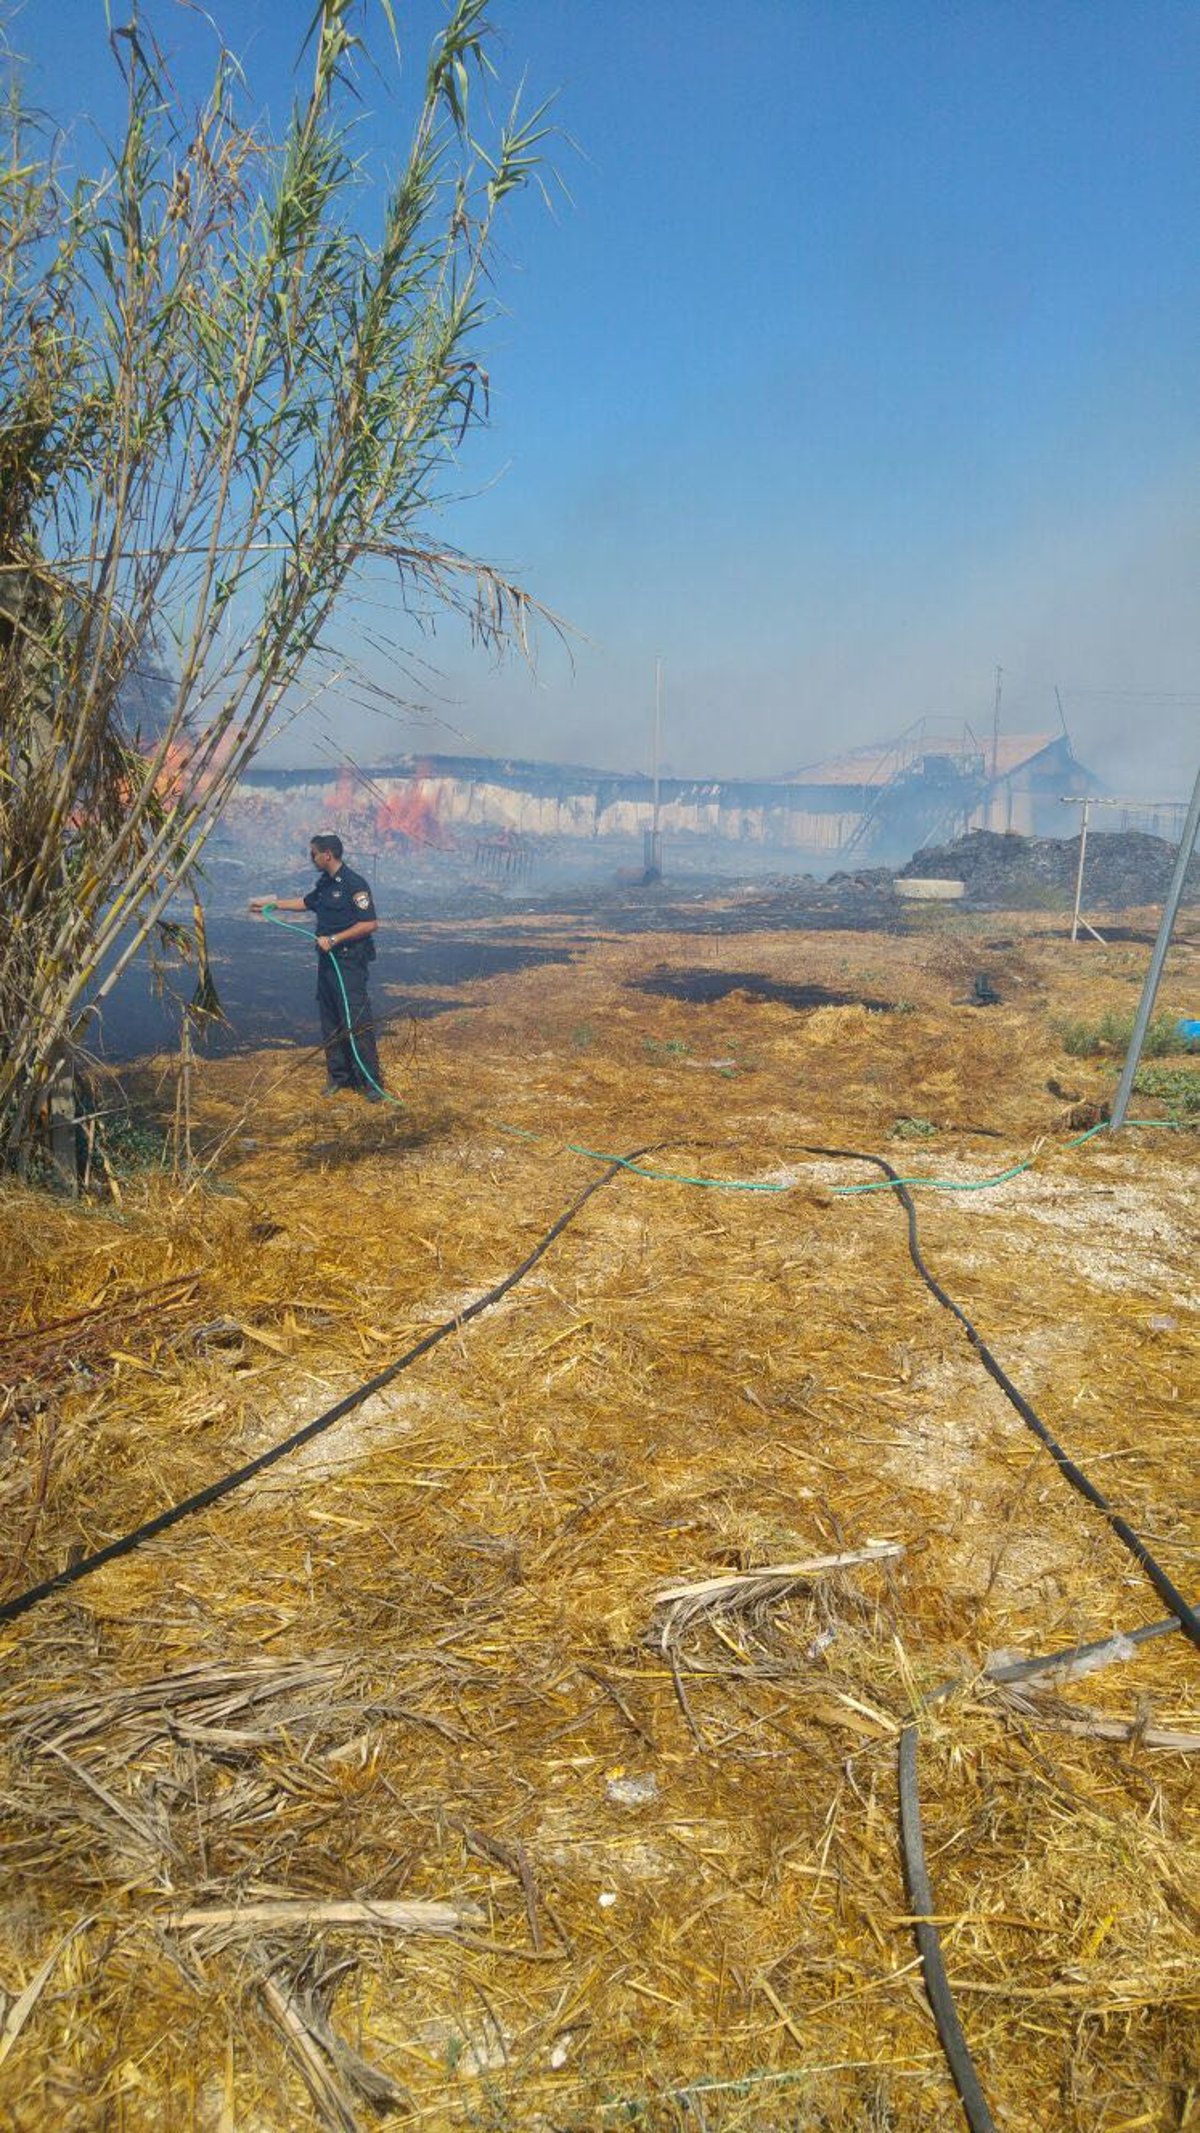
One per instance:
[(344, 798), (408, 815), (171, 778), (177, 777), (411, 814)]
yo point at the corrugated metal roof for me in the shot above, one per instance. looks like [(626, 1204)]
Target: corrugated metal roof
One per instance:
[(875, 765)]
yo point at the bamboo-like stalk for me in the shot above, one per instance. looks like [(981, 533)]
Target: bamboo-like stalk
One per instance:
[(223, 399)]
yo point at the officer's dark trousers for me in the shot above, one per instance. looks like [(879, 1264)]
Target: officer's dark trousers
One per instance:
[(343, 1068)]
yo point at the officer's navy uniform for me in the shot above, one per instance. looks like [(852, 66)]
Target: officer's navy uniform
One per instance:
[(338, 902)]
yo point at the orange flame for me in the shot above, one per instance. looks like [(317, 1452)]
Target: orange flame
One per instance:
[(408, 815), (169, 783), (344, 798), (176, 775), (412, 815), (171, 777)]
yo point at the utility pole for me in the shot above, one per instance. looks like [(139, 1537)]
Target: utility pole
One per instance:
[(652, 846), (1166, 927), (657, 735), (996, 724)]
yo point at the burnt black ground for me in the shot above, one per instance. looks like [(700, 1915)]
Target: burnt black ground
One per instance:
[(266, 983), (448, 935), (266, 979), (700, 987)]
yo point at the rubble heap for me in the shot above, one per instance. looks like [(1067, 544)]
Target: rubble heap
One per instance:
[(1122, 868)]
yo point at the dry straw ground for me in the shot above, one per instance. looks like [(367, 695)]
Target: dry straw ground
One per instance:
[(390, 1792)]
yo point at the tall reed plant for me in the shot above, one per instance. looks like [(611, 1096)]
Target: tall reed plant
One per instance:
[(220, 399)]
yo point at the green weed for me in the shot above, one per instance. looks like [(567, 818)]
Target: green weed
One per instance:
[(1111, 1034), (1177, 1087), (131, 1146)]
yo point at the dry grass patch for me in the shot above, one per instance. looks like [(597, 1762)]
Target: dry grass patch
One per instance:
[(427, 1663)]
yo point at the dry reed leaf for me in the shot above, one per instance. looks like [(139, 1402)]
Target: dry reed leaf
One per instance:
[(334, 2105), (419, 1659), (391, 1916), (771, 1575), (21, 2007)]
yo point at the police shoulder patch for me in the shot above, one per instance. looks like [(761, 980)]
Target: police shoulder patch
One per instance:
[(362, 898)]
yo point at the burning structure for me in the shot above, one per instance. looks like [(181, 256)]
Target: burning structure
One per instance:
[(873, 805)]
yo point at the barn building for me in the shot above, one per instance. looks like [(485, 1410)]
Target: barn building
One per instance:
[(872, 806)]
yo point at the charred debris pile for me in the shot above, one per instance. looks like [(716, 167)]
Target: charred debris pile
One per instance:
[(1123, 868)]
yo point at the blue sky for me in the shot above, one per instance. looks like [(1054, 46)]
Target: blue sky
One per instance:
[(859, 357)]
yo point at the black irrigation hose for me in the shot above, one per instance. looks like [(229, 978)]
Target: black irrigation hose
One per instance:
[(916, 1873), (1189, 1620), (216, 1490), (937, 1983), (1025, 1669)]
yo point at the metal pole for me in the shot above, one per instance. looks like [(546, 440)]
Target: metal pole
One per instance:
[(1165, 929), (1083, 830), (652, 842), (657, 735)]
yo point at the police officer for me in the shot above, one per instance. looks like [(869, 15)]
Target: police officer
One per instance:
[(344, 909)]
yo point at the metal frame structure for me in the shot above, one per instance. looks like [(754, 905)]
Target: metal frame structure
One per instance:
[(1087, 801)]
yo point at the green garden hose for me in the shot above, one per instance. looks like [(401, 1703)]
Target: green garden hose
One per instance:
[(268, 912)]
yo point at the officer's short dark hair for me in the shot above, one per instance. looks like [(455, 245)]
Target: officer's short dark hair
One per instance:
[(325, 841)]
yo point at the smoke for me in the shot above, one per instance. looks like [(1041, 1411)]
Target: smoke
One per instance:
[(816, 633)]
